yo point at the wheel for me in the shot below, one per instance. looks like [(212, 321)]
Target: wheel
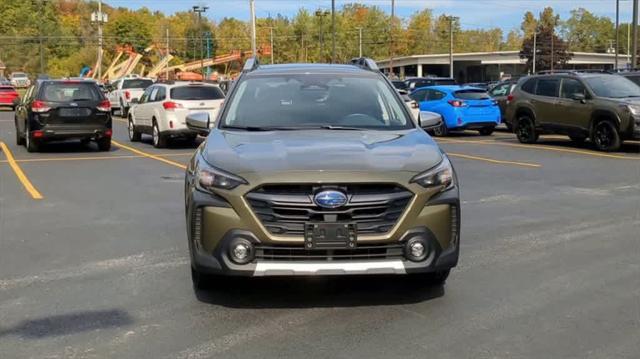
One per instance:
[(606, 137), (487, 131), (104, 144), (526, 130), (134, 136), (435, 278), (441, 131), (123, 111), (578, 139), (159, 141), (20, 141), (31, 144)]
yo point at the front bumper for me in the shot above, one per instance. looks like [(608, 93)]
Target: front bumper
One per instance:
[(213, 224)]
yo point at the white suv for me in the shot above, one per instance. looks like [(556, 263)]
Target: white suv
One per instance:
[(163, 108)]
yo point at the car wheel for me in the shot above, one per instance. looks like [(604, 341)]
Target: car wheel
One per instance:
[(31, 144), (124, 112), (104, 144), (134, 136), (605, 136), (487, 131), (526, 130), (159, 141), (441, 130), (20, 140)]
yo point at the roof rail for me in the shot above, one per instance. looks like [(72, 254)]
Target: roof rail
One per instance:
[(576, 71), (251, 64), (365, 63)]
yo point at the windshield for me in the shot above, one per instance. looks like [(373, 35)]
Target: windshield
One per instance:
[(634, 78), (67, 92), (313, 101), (136, 84), (472, 95), (18, 75), (613, 86), (196, 93)]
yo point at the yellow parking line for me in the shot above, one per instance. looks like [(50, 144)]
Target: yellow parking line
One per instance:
[(149, 155), (18, 171), (93, 158), (539, 147), (491, 160)]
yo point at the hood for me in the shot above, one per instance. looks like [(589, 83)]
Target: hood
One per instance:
[(321, 150)]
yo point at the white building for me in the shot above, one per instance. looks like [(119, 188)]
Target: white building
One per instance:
[(488, 66)]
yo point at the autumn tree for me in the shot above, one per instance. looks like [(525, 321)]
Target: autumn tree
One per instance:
[(551, 50)]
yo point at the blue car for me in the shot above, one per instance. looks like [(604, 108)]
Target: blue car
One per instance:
[(461, 107)]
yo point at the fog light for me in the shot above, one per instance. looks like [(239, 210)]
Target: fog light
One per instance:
[(416, 249), (241, 251)]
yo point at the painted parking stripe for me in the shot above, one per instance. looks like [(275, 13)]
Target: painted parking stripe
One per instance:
[(537, 147), (26, 183), (149, 155), (91, 158), (495, 161)]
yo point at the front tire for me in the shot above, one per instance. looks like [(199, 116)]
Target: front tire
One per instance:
[(20, 140), (606, 137), (526, 130), (441, 131), (134, 136), (31, 144)]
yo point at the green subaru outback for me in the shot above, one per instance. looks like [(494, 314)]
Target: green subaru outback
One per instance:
[(316, 169), (602, 107)]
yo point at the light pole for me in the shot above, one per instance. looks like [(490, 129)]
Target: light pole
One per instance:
[(451, 20), (100, 18), (360, 40), (617, 28), (393, 16), (271, 33), (333, 31), (252, 10), (200, 10), (634, 42)]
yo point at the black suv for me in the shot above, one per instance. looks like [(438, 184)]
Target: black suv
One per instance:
[(63, 109), (600, 106)]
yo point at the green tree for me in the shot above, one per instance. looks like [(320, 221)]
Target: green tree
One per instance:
[(587, 32), (128, 28)]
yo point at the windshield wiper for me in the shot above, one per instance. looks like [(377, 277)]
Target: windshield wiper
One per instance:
[(346, 128), (258, 128)]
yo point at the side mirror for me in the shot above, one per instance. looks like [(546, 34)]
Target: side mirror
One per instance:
[(578, 97), (135, 101), (430, 120), (199, 122)]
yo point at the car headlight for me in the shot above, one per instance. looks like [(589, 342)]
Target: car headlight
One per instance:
[(208, 178), (439, 176), (634, 109)]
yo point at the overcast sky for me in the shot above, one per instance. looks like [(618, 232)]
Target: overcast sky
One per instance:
[(506, 14)]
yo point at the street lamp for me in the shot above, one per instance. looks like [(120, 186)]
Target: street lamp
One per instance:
[(100, 18), (200, 10)]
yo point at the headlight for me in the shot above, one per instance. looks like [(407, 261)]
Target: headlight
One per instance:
[(438, 176), (208, 178), (634, 109)]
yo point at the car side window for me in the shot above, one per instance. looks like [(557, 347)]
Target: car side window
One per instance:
[(548, 87), (419, 95), (501, 90), (529, 86), (145, 95), (161, 94), (154, 93), (435, 95), (571, 87)]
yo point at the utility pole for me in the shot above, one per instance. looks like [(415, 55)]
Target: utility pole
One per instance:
[(271, 33), (41, 49), (451, 20), (535, 49), (617, 28), (200, 10), (166, 66), (634, 42), (321, 15), (333, 31), (393, 16), (552, 57), (252, 10), (360, 40)]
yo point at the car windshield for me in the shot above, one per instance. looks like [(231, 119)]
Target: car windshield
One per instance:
[(196, 93), (613, 86), (634, 78), (472, 94), (136, 84), (67, 92), (19, 75), (316, 101)]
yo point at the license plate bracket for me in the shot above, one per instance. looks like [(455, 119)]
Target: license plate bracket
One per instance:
[(322, 235)]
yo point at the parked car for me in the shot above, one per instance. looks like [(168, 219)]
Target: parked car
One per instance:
[(319, 170), (8, 96), (633, 76), (462, 108), (401, 86), (602, 107), (19, 80), (417, 82), (163, 107), (5, 81), (502, 93), (124, 90), (61, 109), (480, 85)]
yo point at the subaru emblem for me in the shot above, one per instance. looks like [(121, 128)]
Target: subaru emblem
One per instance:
[(330, 199)]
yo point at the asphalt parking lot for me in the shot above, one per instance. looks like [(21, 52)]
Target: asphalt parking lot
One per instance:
[(94, 264)]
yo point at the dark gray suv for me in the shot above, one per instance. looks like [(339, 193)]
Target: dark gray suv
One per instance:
[(600, 106)]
